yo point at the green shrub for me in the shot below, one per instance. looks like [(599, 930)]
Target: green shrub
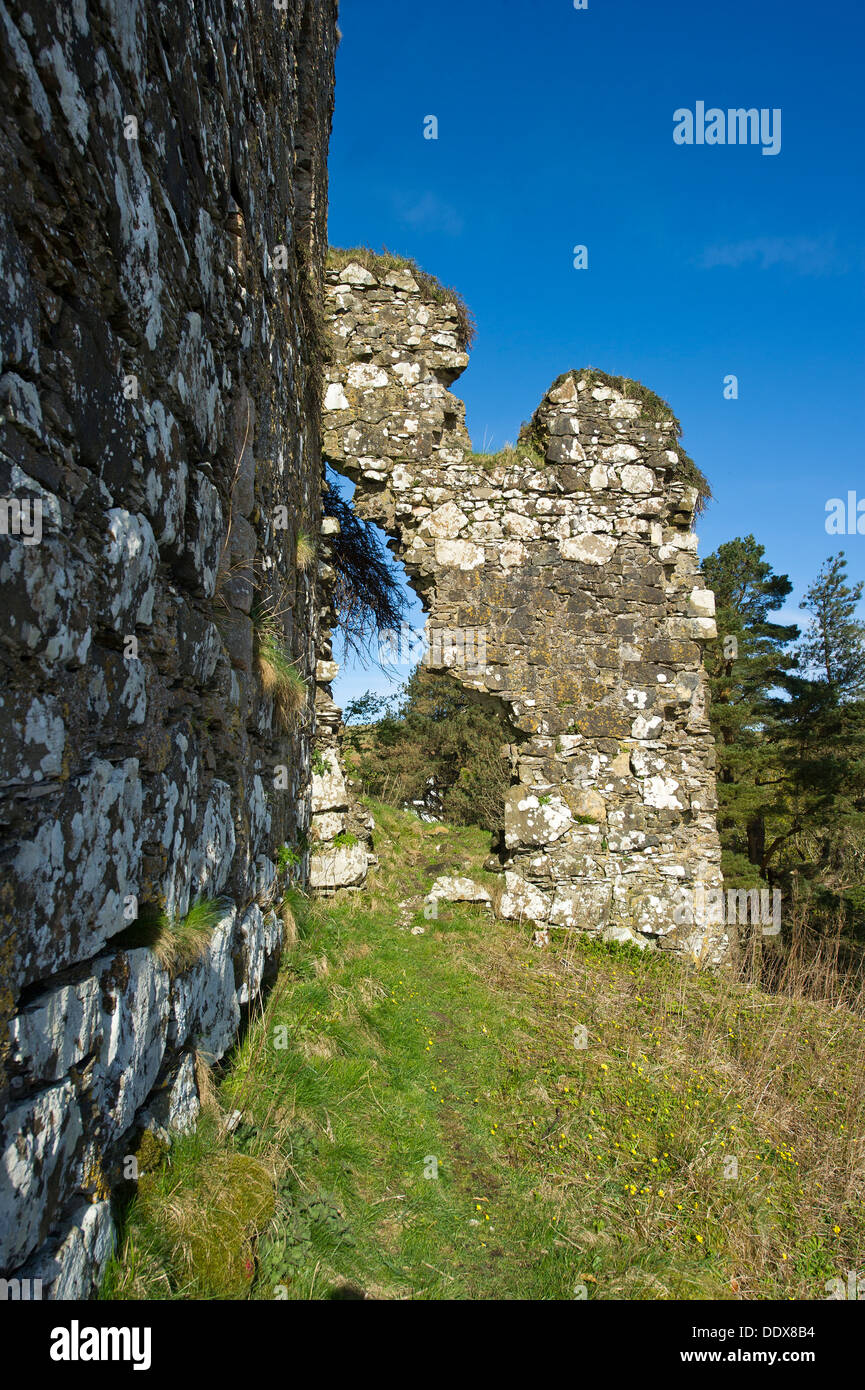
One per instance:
[(442, 732)]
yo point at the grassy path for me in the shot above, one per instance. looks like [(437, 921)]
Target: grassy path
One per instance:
[(454, 1114)]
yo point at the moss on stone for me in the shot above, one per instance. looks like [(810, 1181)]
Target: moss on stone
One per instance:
[(149, 1152)]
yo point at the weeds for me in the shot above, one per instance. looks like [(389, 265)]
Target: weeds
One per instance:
[(306, 550), (522, 454), (320, 765), (279, 674)]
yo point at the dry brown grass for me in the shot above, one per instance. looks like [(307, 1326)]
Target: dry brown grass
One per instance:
[(306, 550), (208, 1094), (281, 679), (289, 925)]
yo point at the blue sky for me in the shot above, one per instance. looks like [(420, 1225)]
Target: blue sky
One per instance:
[(555, 129)]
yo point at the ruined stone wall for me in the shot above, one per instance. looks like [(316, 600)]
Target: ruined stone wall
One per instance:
[(162, 231), (564, 585)]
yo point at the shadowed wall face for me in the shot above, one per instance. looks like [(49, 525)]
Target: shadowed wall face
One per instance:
[(161, 236), (561, 580)]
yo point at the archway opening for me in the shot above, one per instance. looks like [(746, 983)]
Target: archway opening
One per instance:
[(415, 736)]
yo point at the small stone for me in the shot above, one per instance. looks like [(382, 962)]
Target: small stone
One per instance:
[(458, 890)]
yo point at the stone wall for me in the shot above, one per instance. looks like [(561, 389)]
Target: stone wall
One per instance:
[(161, 241), (560, 580)]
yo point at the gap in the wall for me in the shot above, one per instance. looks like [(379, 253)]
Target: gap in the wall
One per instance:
[(378, 669)]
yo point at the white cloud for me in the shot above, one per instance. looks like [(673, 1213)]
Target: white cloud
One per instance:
[(804, 255), (431, 213)]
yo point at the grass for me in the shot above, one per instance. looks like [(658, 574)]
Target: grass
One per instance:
[(511, 456), (177, 942), (306, 550), (281, 679), (378, 263), (455, 1115), (205, 1231), (279, 675)]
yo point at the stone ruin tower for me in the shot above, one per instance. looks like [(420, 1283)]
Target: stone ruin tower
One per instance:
[(561, 581)]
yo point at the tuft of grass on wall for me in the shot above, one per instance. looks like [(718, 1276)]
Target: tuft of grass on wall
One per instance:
[(279, 674), (526, 455), (378, 263), (306, 550), (177, 942)]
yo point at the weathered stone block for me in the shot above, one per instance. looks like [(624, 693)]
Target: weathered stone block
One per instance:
[(57, 1030), (173, 1106), (329, 792), (522, 900), (204, 1008), (135, 1007), (72, 1269), (39, 1142), (458, 890), (343, 866)]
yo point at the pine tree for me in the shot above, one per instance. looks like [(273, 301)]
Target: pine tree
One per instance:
[(748, 660), (833, 647), (790, 729), (820, 844)]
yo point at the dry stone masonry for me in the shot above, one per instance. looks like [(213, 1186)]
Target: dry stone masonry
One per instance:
[(561, 581), (161, 240)]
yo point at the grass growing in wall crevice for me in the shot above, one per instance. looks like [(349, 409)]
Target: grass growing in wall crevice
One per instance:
[(280, 675), (176, 941)]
